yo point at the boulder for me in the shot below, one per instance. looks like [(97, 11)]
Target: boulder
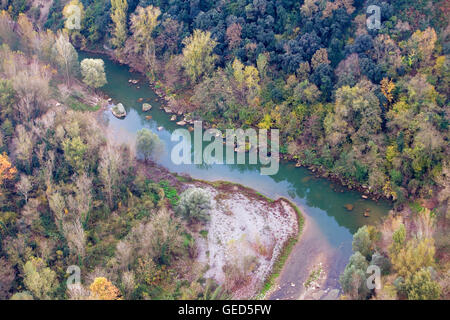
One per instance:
[(181, 123), (349, 206), (160, 128), (146, 107), (173, 118), (119, 110)]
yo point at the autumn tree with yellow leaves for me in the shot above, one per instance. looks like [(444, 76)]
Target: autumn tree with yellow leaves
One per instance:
[(103, 289), (7, 170)]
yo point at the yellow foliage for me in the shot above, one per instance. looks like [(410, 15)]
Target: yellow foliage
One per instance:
[(103, 289), (416, 255), (386, 88)]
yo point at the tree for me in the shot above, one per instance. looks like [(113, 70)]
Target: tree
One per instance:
[(194, 204), (416, 255), (309, 8), (23, 146), (142, 25), (421, 45), (39, 279), (320, 57), (65, 55), (386, 89), (143, 22), (353, 279), (198, 59), (398, 240), (24, 186), (147, 143), (421, 286), (32, 87), (103, 289), (74, 152), (7, 275), (261, 64), (109, 169), (24, 295), (357, 115), (119, 10), (7, 171), (233, 34), (362, 242), (93, 72)]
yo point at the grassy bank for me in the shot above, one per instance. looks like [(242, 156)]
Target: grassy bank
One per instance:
[(279, 264)]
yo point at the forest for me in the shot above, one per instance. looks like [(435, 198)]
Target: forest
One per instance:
[(365, 107)]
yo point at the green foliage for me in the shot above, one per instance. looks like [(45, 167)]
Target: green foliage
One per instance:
[(39, 279), (170, 193), (353, 279), (147, 143), (93, 72), (420, 286), (74, 152), (194, 204), (362, 242)]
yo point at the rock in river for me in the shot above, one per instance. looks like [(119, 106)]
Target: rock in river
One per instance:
[(119, 110), (146, 106), (349, 206)]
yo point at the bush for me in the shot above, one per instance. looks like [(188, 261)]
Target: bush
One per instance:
[(382, 262), (422, 287), (362, 242), (353, 279), (194, 204)]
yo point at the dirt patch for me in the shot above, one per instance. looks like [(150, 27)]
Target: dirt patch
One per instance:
[(246, 235)]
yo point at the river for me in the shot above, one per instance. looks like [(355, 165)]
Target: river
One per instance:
[(329, 226)]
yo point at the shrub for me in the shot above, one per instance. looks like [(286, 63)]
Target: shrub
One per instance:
[(194, 204), (422, 287), (353, 280), (362, 242)]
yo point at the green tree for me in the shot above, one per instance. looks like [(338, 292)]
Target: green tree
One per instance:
[(147, 143), (93, 72), (74, 151), (422, 287), (39, 279), (362, 242), (194, 204), (414, 256), (353, 279)]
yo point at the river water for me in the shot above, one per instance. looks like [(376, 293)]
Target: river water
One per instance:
[(321, 200)]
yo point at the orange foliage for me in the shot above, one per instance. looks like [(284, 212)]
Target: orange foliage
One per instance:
[(7, 171), (103, 289)]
